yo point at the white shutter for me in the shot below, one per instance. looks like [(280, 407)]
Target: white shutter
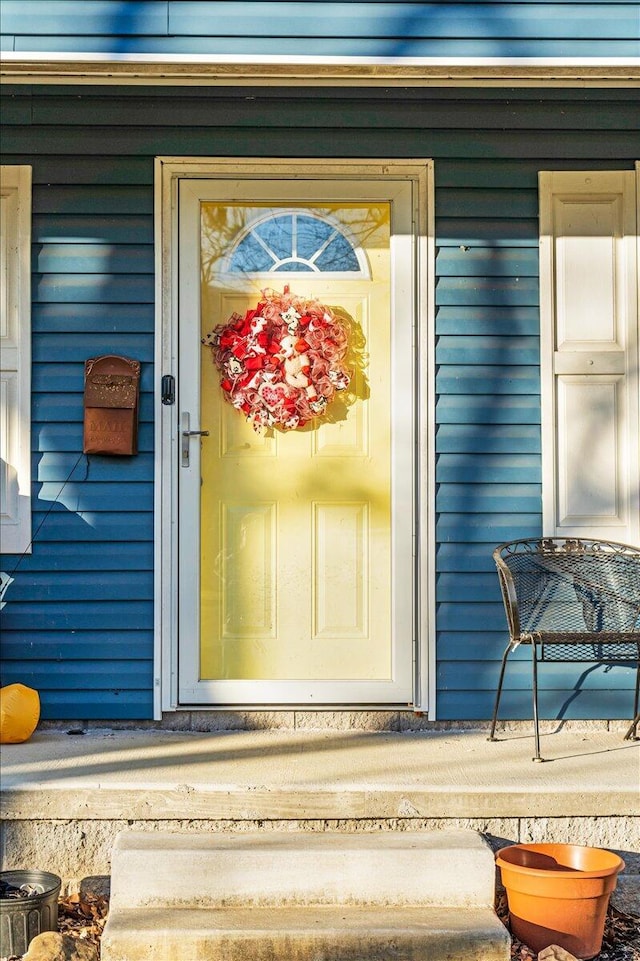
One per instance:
[(589, 354), (15, 353)]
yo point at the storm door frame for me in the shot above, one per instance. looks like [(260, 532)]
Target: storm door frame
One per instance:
[(168, 173)]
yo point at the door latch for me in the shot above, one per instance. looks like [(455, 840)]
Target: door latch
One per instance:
[(187, 434), (168, 389)]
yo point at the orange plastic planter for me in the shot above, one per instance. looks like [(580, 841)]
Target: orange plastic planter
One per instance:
[(559, 894)]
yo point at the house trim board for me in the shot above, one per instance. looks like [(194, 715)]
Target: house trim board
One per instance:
[(168, 172), (274, 70)]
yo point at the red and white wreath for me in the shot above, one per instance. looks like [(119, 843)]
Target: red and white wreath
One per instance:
[(283, 362)]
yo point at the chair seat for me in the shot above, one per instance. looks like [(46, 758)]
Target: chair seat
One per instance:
[(570, 599), (610, 647)]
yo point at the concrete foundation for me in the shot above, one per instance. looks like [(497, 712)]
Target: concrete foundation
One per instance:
[(65, 797), (81, 848)]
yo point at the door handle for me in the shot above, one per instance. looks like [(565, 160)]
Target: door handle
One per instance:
[(186, 434)]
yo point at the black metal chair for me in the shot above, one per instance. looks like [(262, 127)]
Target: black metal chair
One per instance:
[(571, 599)]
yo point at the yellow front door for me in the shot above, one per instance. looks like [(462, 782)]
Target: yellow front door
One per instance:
[(297, 563)]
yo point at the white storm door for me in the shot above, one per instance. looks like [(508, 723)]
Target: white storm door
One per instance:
[(296, 567)]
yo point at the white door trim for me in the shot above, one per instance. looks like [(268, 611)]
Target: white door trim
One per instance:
[(169, 171)]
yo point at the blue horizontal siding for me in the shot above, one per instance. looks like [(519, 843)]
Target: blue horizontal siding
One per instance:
[(495, 231), (503, 172), (495, 291), (494, 379), (84, 594), (103, 228), (68, 376), (487, 409), (92, 259), (77, 347), (43, 108), (461, 261), (473, 587), (489, 28), (504, 438), (68, 437), (95, 704), (69, 407), (90, 199), (83, 288), (463, 556), (91, 559), (96, 318), (125, 171), (80, 674), (100, 646), (99, 16), (487, 468), (327, 19), (356, 140), (480, 645), (58, 467), (514, 204), (81, 496), (328, 47), (475, 319), (78, 615), (488, 498), (486, 528), (467, 616), (566, 705), (582, 675), (486, 351)]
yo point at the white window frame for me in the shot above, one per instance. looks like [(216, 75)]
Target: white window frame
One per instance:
[(15, 340), (168, 173)]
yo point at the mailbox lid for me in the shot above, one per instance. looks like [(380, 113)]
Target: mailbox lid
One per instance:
[(112, 381)]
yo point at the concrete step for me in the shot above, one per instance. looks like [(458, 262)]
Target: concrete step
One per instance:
[(320, 933), (290, 868), (299, 896)]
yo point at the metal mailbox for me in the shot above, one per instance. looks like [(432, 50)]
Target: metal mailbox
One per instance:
[(111, 399)]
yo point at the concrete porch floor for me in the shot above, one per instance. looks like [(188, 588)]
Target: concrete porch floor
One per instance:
[(65, 797)]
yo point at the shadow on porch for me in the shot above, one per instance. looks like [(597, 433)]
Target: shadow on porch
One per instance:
[(65, 797)]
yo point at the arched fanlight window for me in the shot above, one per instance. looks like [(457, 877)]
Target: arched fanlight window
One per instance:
[(296, 241)]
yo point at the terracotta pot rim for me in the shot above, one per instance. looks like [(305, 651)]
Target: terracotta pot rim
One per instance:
[(569, 873)]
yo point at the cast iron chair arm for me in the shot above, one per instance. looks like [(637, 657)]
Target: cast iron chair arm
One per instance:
[(509, 598)]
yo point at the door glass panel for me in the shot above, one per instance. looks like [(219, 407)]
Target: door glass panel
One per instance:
[(295, 240), (296, 524)]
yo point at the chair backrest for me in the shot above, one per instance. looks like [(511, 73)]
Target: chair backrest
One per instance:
[(569, 585)]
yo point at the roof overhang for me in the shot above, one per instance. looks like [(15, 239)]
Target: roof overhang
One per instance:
[(215, 70)]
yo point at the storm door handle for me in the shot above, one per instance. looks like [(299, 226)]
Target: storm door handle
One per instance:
[(187, 433)]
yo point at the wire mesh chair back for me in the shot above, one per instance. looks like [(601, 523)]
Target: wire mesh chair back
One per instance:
[(565, 591)]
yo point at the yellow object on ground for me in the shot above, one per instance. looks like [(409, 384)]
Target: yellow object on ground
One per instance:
[(19, 713)]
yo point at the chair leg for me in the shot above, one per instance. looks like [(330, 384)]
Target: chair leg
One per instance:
[(534, 678), (498, 693), (632, 732)]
